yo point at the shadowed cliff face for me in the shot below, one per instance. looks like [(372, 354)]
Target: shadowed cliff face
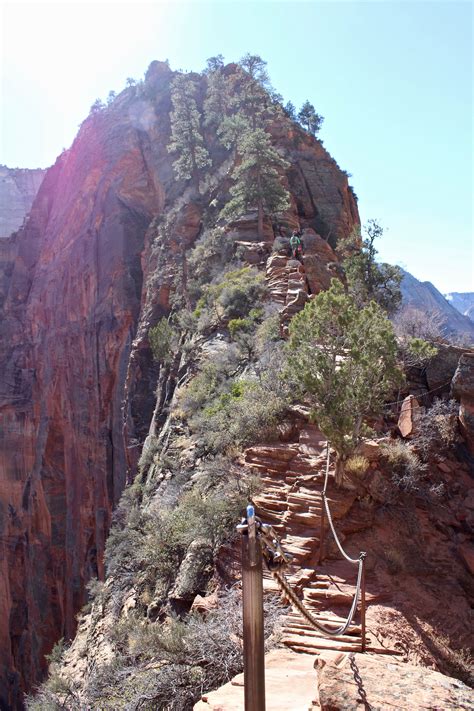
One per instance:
[(79, 286)]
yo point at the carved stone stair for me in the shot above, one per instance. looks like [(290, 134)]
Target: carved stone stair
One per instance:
[(287, 284), (292, 477)]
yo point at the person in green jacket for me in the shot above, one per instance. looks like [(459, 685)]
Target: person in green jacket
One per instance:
[(296, 244)]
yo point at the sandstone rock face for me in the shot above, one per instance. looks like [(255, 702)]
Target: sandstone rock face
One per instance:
[(362, 681), (318, 255), (18, 189), (80, 284), (463, 388), (72, 301)]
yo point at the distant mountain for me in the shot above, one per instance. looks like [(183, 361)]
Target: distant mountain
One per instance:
[(423, 296), (464, 303)]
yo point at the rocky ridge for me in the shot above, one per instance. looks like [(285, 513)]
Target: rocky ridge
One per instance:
[(463, 302), (424, 297), (92, 269)]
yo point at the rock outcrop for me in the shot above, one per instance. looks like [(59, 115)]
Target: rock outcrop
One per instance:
[(18, 189), (463, 388), (363, 681), (345, 682), (80, 284)]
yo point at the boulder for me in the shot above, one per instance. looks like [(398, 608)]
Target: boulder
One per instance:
[(290, 685), (408, 414), (441, 368), (362, 681), (194, 573)]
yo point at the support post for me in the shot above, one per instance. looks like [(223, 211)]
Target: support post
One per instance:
[(252, 595), (321, 531), (362, 605)]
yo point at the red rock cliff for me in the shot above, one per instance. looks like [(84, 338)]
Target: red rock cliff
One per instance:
[(77, 284)]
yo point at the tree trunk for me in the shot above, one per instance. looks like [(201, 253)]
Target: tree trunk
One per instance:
[(260, 220), (339, 471)]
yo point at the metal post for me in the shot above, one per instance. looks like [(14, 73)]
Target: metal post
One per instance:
[(321, 531), (362, 605), (252, 594)]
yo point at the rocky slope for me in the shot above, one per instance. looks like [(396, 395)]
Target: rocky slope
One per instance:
[(424, 297), (463, 302), (80, 285), (18, 189), (411, 532)]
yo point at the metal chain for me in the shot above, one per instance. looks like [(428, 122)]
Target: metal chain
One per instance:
[(328, 513), (301, 607), (276, 559)]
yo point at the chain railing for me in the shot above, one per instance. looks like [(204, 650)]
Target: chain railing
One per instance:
[(259, 540)]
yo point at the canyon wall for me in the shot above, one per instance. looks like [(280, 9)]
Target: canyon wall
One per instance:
[(18, 189), (80, 284)]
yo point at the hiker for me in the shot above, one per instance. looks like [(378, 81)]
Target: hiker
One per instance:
[(296, 244)]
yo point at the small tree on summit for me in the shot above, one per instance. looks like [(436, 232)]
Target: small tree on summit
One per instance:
[(290, 110), (309, 119), (257, 179), (186, 136), (213, 64)]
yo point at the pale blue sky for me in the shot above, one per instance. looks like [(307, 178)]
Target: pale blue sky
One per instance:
[(392, 79)]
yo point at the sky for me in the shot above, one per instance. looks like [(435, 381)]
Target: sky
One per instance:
[(393, 81)]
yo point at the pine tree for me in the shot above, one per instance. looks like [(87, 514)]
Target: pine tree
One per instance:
[(345, 360), (253, 92), (257, 178), (218, 97), (214, 64), (309, 119), (186, 136), (367, 279), (290, 110)]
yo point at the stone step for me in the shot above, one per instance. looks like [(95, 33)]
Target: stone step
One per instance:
[(303, 625), (313, 636), (298, 642)]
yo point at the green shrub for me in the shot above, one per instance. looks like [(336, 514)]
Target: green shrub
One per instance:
[(213, 250), (211, 381), (163, 341), (151, 544), (246, 413), (232, 296)]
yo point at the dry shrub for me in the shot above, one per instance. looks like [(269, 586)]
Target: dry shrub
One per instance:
[(169, 666), (437, 428), (356, 465), (406, 467)]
